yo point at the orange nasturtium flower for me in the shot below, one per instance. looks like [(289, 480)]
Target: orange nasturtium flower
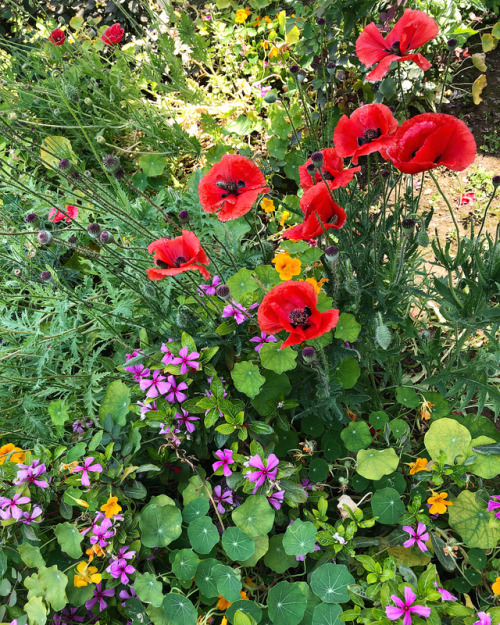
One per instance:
[(267, 205), (16, 457), (86, 575), (420, 464), (242, 15), (438, 503), (425, 410), (111, 508), (495, 587), (95, 550), (317, 285), (286, 266), (223, 604)]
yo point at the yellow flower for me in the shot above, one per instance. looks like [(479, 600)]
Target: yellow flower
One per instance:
[(267, 19), (420, 464), (243, 595), (223, 604), (273, 54), (495, 587), (111, 508), (425, 410), (86, 575), (16, 457), (285, 215), (224, 621), (286, 266), (317, 285), (267, 205), (95, 550), (438, 503), (242, 15)]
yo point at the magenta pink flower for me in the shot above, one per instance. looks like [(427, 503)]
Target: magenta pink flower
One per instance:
[(209, 289), (156, 386), (484, 619), (263, 338), (34, 516), (420, 536), (276, 499), (70, 213), (175, 393), (167, 359), (102, 532), (99, 594), (494, 504), (10, 507), (264, 472), (186, 360), (445, 594), (186, 419), (139, 371), (405, 608), (30, 474), (237, 311), (225, 459), (220, 498), (86, 468), (120, 569)]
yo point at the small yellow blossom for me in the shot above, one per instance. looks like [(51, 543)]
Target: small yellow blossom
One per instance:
[(274, 52), (420, 464), (243, 595), (95, 550), (222, 604), (86, 575), (224, 621), (438, 503), (267, 205), (111, 508), (495, 587), (16, 457), (317, 285), (267, 19), (425, 410), (285, 215), (286, 266), (242, 15)]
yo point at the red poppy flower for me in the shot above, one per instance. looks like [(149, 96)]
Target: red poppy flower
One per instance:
[(232, 185), (332, 170), (173, 256), (318, 208), (369, 129), (292, 306), (412, 31), (429, 140), (70, 213), (113, 34), (57, 37)]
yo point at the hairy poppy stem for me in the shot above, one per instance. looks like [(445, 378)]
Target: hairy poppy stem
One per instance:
[(230, 256), (401, 89), (486, 210), (447, 204), (448, 61)]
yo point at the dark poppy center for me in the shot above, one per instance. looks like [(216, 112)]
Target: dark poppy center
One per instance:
[(231, 187), (328, 176), (58, 37), (395, 48), (369, 135), (299, 317), (161, 264), (180, 260)]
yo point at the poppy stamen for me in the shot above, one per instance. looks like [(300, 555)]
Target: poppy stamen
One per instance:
[(231, 186), (180, 260), (369, 135), (162, 264), (299, 317)]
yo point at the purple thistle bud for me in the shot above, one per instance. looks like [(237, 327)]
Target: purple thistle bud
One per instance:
[(110, 162), (105, 238), (72, 239), (385, 173), (94, 230), (31, 218), (46, 276), (44, 237), (332, 253), (311, 168), (294, 69), (119, 174), (317, 158), (64, 163), (496, 180), (320, 21), (183, 216), (309, 354), (452, 43), (223, 291)]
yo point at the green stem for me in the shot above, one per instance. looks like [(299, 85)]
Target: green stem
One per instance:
[(486, 210), (447, 204), (444, 81)]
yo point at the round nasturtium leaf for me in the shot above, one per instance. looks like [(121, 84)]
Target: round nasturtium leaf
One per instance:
[(255, 516), (205, 579), (469, 516), (149, 589), (195, 509), (276, 359), (486, 466), (179, 609), (300, 538), (245, 606), (286, 603), (398, 427), (448, 437), (261, 547), (160, 525), (237, 544), (473, 577), (318, 470), (359, 483), (276, 558), (247, 379), (387, 506), (407, 396), (356, 436), (331, 446), (378, 419), (203, 534), (375, 463), (329, 582), (477, 558), (327, 614), (228, 583), (185, 564), (394, 480), (312, 425)]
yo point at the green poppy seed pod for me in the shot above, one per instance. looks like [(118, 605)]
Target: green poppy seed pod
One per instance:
[(12, 116), (183, 216), (110, 162), (330, 68), (294, 69), (88, 101), (18, 272), (31, 218), (105, 238), (301, 76), (317, 158), (270, 98), (71, 93), (408, 226), (452, 43), (94, 230), (64, 163), (496, 180)]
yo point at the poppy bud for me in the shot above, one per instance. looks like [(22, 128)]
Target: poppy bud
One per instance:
[(46, 276), (496, 180), (87, 173), (72, 239), (44, 237), (64, 163), (105, 238), (13, 116), (310, 168), (452, 43), (330, 68), (332, 253), (320, 21), (317, 158), (222, 291), (301, 76), (18, 273), (31, 218), (385, 173), (55, 112), (408, 226), (87, 101), (294, 69), (183, 216), (71, 92), (392, 109), (270, 98), (94, 230), (110, 162), (100, 139), (309, 354), (119, 174)]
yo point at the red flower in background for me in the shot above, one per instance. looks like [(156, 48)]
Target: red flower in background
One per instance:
[(332, 170), (113, 34), (231, 187), (412, 31), (292, 306), (318, 208), (429, 140), (70, 213), (173, 256), (369, 129), (57, 37)]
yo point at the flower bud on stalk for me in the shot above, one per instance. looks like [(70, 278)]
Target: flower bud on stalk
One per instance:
[(94, 230), (44, 237), (64, 163), (496, 180), (183, 216), (330, 68), (105, 238), (301, 76), (110, 162), (223, 291), (408, 226), (270, 98), (73, 240), (31, 218), (46, 276), (452, 43), (332, 253), (309, 354)]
